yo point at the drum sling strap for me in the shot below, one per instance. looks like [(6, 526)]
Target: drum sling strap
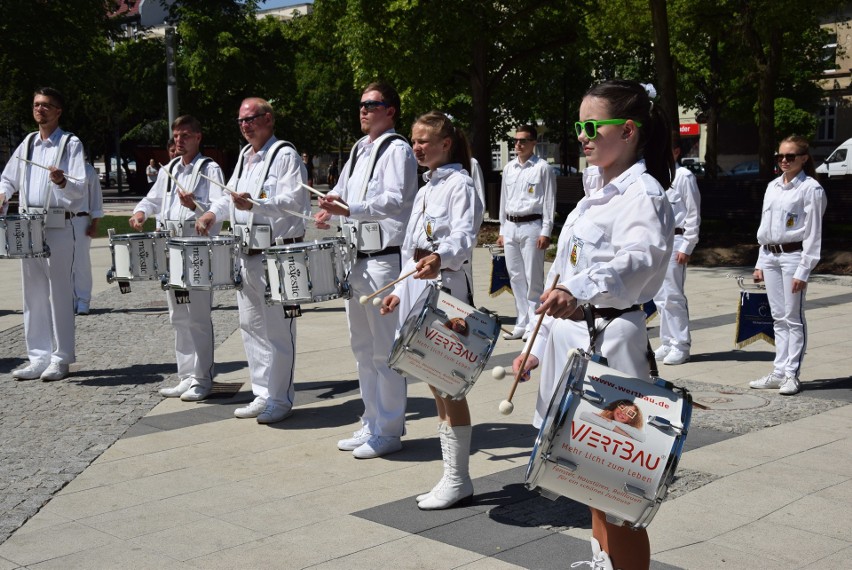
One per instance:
[(589, 317), (29, 143)]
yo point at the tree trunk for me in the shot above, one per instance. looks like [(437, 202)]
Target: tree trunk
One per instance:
[(663, 62), (769, 72)]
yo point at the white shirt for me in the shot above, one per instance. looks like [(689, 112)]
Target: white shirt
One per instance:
[(479, 185), (615, 246), (527, 189), (793, 212), (280, 191), (444, 216), (390, 191), (686, 204), (39, 190), (203, 190), (94, 202)]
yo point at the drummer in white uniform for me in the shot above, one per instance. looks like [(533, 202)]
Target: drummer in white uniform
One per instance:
[(376, 187), (176, 207), (612, 255), (47, 281), (439, 243), (267, 184), (675, 340), (85, 224)]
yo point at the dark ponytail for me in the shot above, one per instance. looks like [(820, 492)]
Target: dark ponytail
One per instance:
[(629, 100), (443, 125)]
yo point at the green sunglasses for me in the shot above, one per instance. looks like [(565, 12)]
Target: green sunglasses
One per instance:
[(591, 127)]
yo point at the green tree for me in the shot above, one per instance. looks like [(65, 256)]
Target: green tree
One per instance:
[(791, 120)]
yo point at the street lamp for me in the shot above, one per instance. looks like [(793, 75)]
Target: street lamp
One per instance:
[(171, 74)]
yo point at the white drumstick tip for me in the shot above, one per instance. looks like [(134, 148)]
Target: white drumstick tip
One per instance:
[(506, 407), (364, 299), (377, 302), (498, 372)]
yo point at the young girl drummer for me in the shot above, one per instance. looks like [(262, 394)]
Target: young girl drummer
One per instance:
[(612, 254), (790, 235), (439, 242)]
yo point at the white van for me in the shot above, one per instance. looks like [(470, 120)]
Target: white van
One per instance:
[(838, 163)]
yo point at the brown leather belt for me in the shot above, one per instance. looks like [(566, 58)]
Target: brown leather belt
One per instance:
[(521, 219), (420, 253), (394, 249), (783, 247), (678, 231), (285, 241)]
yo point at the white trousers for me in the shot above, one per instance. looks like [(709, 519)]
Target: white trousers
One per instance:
[(269, 337), (788, 311), (624, 343), (49, 300), (371, 336), (673, 307), (82, 259), (193, 334), (525, 264)]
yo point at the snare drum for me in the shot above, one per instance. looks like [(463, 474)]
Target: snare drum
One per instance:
[(22, 236), (445, 343), (205, 263), (137, 257), (610, 441), (307, 272)]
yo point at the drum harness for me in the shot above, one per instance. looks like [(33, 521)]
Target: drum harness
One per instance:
[(29, 142), (290, 311), (193, 182), (589, 317)]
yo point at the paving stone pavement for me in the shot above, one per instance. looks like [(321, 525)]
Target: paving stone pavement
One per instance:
[(50, 432)]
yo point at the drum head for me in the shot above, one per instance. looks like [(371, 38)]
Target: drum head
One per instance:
[(413, 322)]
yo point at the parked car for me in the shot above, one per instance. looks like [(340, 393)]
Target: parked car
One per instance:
[(107, 182), (838, 163), (699, 169), (747, 169)]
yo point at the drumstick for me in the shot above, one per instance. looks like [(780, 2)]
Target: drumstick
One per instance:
[(47, 168), (298, 215), (217, 183), (320, 194), (365, 298), (506, 406), (181, 189)]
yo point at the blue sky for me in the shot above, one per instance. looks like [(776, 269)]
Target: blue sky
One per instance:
[(281, 3)]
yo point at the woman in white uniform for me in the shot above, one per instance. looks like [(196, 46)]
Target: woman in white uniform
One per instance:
[(612, 255), (439, 242), (790, 236)]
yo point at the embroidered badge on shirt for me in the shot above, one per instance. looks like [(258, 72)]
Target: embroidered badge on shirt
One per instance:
[(791, 219), (531, 189), (429, 225), (576, 249), (262, 194)]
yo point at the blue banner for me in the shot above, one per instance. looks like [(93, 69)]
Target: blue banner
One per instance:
[(499, 275), (754, 319), (650, 309)]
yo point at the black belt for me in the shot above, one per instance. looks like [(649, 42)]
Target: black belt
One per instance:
[(394, 249), (783, 247), (610, 313), (285, 241), (521, 219), (420, 253), (678, 231)]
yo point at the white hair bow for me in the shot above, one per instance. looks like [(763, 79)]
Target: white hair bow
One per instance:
[(649, 89)]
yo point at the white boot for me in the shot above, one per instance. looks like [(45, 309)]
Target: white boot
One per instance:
[(444, 454), (457, 486), (600, 559)]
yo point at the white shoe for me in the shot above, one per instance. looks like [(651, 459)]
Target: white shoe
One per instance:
[(790, 386), (55, 371), (662, 352), (358, 439), (771, 380), (676, 356), (177, 391), (376, 446), (273, 414), (29, 372), (600, 559), (457, 487), (198, 390), (515, 334), (252, 410), (82, 307), (526, 336), (444, 454)]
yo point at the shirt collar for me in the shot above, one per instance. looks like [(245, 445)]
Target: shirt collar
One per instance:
[(799, 178), (442, 172), (53, 139), (367, 143)]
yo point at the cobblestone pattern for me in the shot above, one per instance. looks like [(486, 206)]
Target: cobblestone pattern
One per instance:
[(50, 432)]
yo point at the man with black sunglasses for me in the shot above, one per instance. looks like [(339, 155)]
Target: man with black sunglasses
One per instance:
[(373, 198), (527, 202)]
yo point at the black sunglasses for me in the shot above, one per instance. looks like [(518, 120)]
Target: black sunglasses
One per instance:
[(789, 157), (370, 105), (249, 120), (522, 141)]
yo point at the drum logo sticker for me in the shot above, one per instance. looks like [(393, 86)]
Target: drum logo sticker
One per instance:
[(19, 236), (197, 264), (791, 219), (143, 257), (576, 250), (294, 274)]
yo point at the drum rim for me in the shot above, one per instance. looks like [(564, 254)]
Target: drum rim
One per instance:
[(140, 235), (208, 240)]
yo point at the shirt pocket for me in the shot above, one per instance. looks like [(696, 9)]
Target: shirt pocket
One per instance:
[(533, 188), (436, 220), (587, 240), (792, 216)]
